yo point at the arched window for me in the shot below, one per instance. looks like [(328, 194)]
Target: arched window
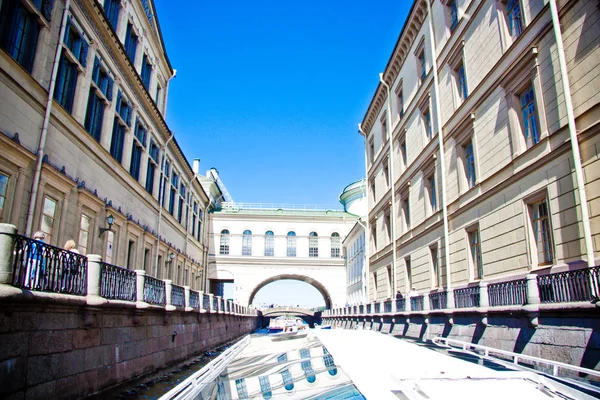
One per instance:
[(313, 244), (224, 247), (309, 372), (269, 243), (247, 243), (291, 244), (335, 245), (329, 363)]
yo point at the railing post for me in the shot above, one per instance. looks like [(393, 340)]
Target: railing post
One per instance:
[(408, 302), (168, 296), (484, 300), (186, 296), (426, 301), (94, 272), (140, 279), (7, 245), (533, 291), (211, 307)]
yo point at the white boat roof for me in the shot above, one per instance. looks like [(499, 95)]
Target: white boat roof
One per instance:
[(384, 367)]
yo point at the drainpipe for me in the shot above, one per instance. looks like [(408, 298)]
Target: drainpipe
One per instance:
[(583, 204), (205, 247), (167, 93), (366, 225), (161, 196), (42, 144), (392, 185), (436, 84)]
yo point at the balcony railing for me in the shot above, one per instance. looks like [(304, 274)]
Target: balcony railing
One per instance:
[(466, 297), (387, 306), (377, 308), (400, 305), (177, 296), (508, 293), (194, 299), (117, 283), (417, 303), (154, 291), (578, 285), (37, 266), (40, 266), (438, 300)]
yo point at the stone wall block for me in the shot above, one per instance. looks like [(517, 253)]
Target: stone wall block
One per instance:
[(107, 376), (13, 375), (5, 319), (54, 321), (71, 363), (45, 390), (13, 345), (96, 357), (45, 342), (84, 338), (42, 369), (26, 321)]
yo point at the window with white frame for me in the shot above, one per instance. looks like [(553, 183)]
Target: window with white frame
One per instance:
[(475, 261), (247, 243), (291, 244), (514, 18), (3, 191), (387, 225), (384, 128), (73, 60), (386, 172), (269, 244), (48, 222), (400, 99), (313, 244), (406, 209), (452, 10), (372, 186), (432, 193), (140, 139), (403, 158), (153, 156), (85, 225), (224, 243), (426, 120), (460, 77), (373, 236), (100, 96), (469, 163), (529, 116), (421, 64), (408, 267), (335, 245), (371, 150), (436, 272), (541, 231)]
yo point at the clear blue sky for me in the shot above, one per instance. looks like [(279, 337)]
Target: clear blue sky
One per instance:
[(270, 93)]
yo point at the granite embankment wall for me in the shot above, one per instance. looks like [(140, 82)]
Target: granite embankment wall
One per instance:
[(569, 333), (57, 346)]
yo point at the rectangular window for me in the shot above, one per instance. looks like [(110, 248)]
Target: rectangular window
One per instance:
[(136, 160), (372, 186), (475, 247), (180, 210), (172, 201), (154, 151), (101, 79), (469, 164), (19, 32), (111, 9), (388, 227), (3, 190), (386, 173), (84, 234), (406, 211), (514, 17), (76, 43), (400, 100), (408, 274), (313, 246), (435, 267), (432, 193), (453, 15), (150, 177), (94, 115), (146, 72), (48, 217), (371, 150), (422, 66), (461, 82), (141, 134), (124, 108), (403, 153), (427, 124), (66, 82), (384, 129), (291, 245), (269, 244), (131, 255), (529, 114), (118, 139), (542, 232), (131, 42)]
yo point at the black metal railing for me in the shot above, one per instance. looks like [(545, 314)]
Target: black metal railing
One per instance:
[(361, 309), (400, 304), (578, 285), (387, 306), (117, 283), (377, 307), (369, 307), (194, 299), (510, 293), (438, 300), (40, 266), (177, 296), (205, 301), (222, 303), (466, 297), (154, 291), (215, 303), (417, 303)]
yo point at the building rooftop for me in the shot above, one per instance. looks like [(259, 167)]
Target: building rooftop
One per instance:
[(280, 209)]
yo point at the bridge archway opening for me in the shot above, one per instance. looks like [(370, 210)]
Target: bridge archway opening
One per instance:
[(272, 281)]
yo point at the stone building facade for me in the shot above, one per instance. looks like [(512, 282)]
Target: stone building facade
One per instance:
[(83, 136), (498, 197)]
